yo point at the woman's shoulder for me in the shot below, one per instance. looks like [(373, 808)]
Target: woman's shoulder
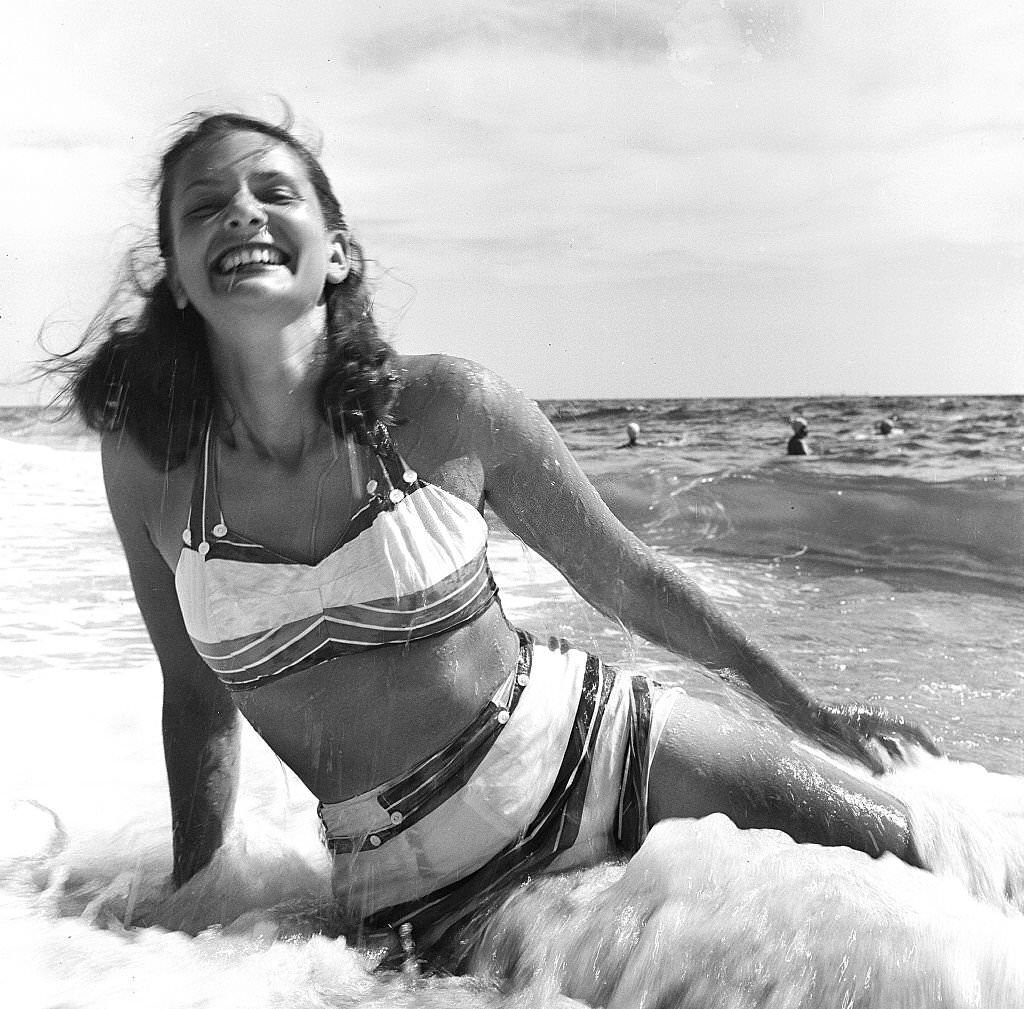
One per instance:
[(121, 448), (457, 407), (130, 471), (430, 383), (442, 372), (122, 455)]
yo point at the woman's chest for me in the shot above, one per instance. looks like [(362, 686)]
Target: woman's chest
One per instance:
[(303, 512)]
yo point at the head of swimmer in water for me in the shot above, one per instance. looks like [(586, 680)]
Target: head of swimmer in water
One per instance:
[(246, 209), (632, 432)]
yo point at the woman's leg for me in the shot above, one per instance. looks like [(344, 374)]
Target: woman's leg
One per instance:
[(710, 759)]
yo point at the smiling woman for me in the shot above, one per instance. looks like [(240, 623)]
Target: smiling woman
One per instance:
[(302, 513), (248, 236), (152, 329)]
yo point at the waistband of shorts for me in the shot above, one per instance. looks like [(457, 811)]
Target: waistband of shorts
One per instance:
[(409, 797)]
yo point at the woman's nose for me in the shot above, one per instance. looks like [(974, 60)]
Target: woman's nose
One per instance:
[(245, 212)]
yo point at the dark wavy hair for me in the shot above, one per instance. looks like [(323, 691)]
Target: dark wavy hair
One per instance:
[(143, 365)]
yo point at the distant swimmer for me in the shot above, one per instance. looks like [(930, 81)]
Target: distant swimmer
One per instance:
[(632, 435), (797, 445), (887, 426)]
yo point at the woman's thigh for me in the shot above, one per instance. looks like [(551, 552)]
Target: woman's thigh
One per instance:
[(711, 759)]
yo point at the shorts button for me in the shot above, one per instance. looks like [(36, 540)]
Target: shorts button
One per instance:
[(503, 715), (522, 679), (374, 841), (396, 817), (220, 529)]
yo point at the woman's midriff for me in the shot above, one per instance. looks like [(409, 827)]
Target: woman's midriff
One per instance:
[(348, 725)]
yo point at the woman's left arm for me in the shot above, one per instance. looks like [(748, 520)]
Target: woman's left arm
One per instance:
[(537, 488)]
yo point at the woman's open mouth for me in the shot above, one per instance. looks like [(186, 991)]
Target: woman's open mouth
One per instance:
[(242, 256)]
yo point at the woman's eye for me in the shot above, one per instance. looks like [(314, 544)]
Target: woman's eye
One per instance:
[(202, 210), (282, 194)]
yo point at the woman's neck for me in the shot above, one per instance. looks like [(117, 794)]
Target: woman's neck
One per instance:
[(267, 384)]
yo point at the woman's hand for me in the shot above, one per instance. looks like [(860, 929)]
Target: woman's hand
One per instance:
[(869, 734)]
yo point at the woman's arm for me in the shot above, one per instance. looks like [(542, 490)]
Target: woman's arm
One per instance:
[(200, 722), (538, 489)]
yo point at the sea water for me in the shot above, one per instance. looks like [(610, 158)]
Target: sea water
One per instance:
[(886, 569)]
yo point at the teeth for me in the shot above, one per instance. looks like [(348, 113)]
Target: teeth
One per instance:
[(248, 256)]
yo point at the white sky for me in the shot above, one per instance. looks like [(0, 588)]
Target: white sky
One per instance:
[(594, 197)]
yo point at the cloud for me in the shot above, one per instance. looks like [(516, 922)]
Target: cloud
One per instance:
[(552, 142), (403, 33), (857, 133)]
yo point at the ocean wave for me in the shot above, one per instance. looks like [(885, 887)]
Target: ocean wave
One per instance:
[(749, 915), (972, 529), (563, 411)]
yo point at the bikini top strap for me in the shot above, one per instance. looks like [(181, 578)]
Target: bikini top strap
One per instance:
[(193, 533), (203, 489), (396, 478)]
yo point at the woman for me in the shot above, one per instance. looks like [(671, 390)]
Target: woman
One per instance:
[(301, 511)]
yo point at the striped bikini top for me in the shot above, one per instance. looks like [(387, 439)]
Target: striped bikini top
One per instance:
[(412, 563)]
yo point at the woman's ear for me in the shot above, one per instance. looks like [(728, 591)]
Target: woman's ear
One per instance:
[(339, 265), (177, 291)]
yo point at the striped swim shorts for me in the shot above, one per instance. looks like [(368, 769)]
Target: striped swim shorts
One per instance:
[(551, 775)]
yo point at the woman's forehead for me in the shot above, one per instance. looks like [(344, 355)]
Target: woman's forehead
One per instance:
[(240, 153)]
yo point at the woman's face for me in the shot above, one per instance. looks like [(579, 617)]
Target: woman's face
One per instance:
[(247, 232)]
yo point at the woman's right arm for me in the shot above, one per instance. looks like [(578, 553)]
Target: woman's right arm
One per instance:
[(200, 722)]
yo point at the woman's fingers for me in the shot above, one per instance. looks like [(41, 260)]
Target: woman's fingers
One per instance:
[(876, 736), (837, 732), (879, 722)]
